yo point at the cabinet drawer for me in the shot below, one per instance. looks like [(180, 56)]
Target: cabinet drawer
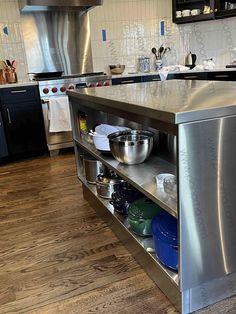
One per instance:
[(191, 76), (151, 78), (126, 80), (18, 94)]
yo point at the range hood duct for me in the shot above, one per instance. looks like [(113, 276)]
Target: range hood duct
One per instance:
[(57, 5)]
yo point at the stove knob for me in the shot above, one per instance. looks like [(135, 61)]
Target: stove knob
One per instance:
[(71, 87), (54, 90), (45, 90), (99, 84), (107, 83), (63, 89), (91, 85)]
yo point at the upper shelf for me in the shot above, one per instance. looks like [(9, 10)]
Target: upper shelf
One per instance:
[(142, 176)]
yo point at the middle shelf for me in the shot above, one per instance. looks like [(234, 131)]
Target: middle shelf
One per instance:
[(141, 176)]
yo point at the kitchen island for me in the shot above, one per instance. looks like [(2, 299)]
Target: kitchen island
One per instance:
[(201, 118)]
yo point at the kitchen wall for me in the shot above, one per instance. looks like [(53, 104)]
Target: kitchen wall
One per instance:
[(132, 29), (11, 41)]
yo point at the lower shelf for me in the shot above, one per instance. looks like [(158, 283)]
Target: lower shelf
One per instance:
[(146, 246)]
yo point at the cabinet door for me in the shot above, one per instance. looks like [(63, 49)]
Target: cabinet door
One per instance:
[(3, 143), (24, 127)]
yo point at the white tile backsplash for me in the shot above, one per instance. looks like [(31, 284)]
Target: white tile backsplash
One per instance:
[(132, 28), (12, 45)]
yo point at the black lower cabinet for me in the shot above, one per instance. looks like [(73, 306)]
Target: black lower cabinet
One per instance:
[(24, 125), (3, 142)]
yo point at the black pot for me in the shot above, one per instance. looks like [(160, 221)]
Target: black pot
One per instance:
[(121, 208), (126, 194), (122, 198)]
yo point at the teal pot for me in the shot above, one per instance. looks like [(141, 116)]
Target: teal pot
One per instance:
[(140, 215)]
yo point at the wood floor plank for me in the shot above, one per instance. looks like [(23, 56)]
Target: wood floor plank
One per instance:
[(58, 256)]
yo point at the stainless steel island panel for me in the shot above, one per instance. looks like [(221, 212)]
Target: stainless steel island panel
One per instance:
[(207, 199), (174, 101)]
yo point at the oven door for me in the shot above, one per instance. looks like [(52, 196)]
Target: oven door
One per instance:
[(58, 140)]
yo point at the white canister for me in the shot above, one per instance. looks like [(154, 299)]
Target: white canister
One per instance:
[(144, 64)]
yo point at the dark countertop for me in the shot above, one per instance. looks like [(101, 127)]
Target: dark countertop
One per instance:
[(173, 101)]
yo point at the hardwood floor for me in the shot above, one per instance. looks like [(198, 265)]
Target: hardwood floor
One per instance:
[(58, 256)]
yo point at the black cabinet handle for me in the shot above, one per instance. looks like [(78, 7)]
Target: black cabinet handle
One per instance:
[(18, 91), (9, 116), (130, 81), (190, 76), (222, 75)]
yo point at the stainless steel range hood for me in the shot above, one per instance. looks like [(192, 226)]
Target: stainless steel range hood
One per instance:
[(58, 5)]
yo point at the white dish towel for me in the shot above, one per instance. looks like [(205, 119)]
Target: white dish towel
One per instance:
[(59, 114)]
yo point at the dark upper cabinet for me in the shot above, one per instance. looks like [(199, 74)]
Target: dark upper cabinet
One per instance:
[(188, 11), (214, 9), (225, 8), (23, 121)]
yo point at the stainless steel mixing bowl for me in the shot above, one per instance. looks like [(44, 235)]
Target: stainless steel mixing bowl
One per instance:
[(131, 147)]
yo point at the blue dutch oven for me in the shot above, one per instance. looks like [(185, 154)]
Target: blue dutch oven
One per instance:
[(164, 231)]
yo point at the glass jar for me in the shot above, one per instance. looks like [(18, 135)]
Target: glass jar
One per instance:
[(144, 64)]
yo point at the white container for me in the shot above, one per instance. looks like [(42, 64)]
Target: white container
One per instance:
[(195, 12), (101, 142), (186, 13), (178, 14)]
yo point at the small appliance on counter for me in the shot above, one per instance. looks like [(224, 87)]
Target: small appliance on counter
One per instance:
[(190, 60)]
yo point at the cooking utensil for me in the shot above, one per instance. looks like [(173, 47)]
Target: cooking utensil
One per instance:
[(140, 215), (164, 231), (131, 147), (13, 64), (160, 51), (117, 69), (108, 183), (3, 65), (165, 50), (8, 63), (92, 168), (154, 51)]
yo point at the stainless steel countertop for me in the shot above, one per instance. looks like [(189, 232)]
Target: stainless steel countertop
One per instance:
[(174, 101), (20, 84)]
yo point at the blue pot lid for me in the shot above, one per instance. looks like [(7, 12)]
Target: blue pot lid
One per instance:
[(164, 226)]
